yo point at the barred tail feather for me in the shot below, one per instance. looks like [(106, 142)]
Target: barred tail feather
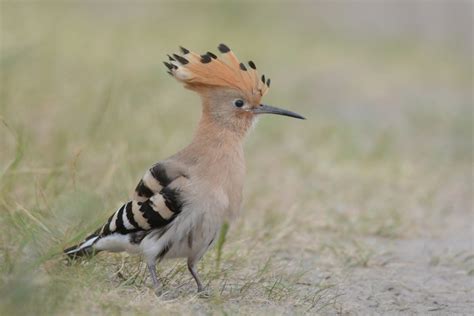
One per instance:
[(83, 249)]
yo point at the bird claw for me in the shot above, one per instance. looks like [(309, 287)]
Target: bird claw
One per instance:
[(202, 293), (158, 292)]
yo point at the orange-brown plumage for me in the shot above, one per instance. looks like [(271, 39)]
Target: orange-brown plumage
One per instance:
[(196, 71)]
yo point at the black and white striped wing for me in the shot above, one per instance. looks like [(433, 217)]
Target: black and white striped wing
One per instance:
[(156, 178), (157, 201)]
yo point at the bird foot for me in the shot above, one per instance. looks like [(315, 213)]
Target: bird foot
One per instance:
[(203, 293), (158, 291)]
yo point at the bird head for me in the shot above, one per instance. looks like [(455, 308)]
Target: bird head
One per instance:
[(231, 91)]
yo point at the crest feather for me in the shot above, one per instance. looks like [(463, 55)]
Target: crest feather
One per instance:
[(195, 70)]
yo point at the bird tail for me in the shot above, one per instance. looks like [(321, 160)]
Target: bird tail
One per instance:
[(85, 248)]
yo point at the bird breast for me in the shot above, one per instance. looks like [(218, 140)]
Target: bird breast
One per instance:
[(219, 191), (217, 180)]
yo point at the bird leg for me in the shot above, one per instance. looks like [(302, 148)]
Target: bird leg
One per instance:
[(154, 278), (192, 270)]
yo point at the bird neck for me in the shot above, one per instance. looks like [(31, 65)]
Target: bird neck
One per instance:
[(218, 159), (221, 127), (213, 134)]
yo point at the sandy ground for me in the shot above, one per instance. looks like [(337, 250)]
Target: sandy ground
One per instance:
[(411, 282), (419, 276)]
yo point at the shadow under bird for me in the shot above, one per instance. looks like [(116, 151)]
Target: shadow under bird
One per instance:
[(181, 203)]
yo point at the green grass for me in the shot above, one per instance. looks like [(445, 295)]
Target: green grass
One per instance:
[(86, 106)]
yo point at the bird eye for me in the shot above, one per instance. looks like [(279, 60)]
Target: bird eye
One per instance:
[(239, 103)]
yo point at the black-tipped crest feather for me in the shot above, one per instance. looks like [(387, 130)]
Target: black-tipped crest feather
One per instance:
[(184, 50), (223, 48), (213, 56), (168, 65), (205, 59), (181, 59), (196, 70)]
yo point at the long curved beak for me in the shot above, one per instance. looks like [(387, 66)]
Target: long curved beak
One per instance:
[(268, 109)]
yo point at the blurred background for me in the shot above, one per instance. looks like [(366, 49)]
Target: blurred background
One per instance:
[(374, 199)]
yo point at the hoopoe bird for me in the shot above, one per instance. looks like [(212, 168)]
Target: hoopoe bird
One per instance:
[(181, 203)]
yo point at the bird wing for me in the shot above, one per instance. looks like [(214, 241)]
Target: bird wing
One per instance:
[(159, 176), (157, 201)]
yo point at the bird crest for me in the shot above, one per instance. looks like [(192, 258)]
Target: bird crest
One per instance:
[(208, 70)]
